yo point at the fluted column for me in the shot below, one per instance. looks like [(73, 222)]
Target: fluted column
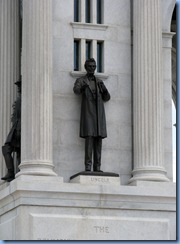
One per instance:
[(9, 66), (147, 92), (36, 144)]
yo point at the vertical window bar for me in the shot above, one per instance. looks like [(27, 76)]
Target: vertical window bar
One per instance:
[(76, 10), (99, 57), (99, 11), (76, 55), (88, 11), (88, 49)]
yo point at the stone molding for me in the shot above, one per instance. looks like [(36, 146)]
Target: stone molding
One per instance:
[(77, 74), (89, 26), (167, 39), (46, 191)]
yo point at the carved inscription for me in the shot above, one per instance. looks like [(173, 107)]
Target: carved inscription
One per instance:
[(52, 239), (100, 179), (101, 229)]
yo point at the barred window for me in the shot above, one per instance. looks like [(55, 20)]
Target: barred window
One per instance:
[(89, 11)]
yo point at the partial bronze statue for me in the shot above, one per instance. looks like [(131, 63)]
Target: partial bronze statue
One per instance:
[(93, 121), (13, 141)]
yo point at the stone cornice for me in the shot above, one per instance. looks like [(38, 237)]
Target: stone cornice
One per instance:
[(77, 74), (79, 25)]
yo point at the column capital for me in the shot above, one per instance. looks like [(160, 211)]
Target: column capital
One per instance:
[(167, 39)]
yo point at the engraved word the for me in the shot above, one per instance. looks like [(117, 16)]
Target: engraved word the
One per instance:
[(101, 229)]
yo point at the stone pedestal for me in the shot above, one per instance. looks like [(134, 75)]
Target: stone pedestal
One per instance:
[(45, 208), (96, 180)]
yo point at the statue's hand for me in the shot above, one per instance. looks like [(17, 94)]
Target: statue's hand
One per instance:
[(102, 87), (84, 86)]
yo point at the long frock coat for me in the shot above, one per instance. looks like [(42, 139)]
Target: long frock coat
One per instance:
[(93, 119), (13, 137)]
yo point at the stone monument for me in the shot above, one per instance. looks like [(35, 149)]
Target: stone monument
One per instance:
[(41, 203)]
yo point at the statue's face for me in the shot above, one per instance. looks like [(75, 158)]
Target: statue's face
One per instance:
[(90, 68)]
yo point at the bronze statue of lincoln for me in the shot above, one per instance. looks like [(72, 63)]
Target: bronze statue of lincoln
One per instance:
[(93, 120)]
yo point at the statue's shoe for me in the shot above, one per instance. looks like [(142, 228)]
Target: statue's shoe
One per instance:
[(10, 179), (97, 169), (9, 176), (88, 168)]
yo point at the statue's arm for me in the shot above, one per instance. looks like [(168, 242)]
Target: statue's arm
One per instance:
[(79, 86)]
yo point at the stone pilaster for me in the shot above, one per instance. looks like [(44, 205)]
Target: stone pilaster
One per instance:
[(148, 124), (9, 66), (36, 141)]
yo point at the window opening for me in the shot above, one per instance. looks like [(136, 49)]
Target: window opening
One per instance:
[(88, 49), (100, 57), (99, 11), (76, 10), (88, 11), (76, 55)]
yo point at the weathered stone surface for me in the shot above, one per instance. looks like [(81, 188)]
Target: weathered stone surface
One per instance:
[(45, 208)]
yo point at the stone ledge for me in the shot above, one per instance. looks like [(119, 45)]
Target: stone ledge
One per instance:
[(89, 26), (51, 191), (78, 74)]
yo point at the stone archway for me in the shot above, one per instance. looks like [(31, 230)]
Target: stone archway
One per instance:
[(169, 26), (167, 12)]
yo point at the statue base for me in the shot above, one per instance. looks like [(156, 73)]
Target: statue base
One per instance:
[(95, 178), (58, 211)]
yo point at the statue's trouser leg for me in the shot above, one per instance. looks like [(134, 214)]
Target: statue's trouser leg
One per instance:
[(7, 153), (97, 153), (18, 151), (88, 153)]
